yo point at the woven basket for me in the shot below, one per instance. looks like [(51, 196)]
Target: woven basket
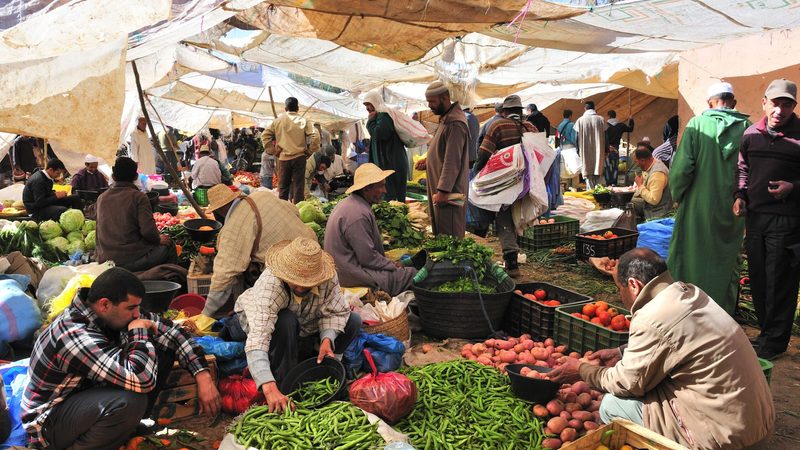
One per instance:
[(396, 328)]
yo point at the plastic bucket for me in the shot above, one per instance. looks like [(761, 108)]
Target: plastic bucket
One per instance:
[(309, 371)]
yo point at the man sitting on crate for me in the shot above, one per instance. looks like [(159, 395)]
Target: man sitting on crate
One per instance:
[(688, 371), (295, 298), (252, 225), (96, 371), (353, 239)]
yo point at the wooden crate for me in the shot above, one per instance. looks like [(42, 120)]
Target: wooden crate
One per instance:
[(625, 432), (178, 399)]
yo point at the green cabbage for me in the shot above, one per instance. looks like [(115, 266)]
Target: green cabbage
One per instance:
[(59, 243), (72, 220), (31, 225), (308, 213), (74, 236), (314, 226), (89, 225), (89, 242), (49, 230), (75, 246)]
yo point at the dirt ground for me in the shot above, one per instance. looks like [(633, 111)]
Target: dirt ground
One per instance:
[(584, 279)]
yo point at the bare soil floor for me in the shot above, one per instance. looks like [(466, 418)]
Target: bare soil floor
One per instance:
[(584, 279)]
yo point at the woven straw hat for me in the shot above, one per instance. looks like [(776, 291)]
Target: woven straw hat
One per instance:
[(220, 195), (367, 174), (301, 262)]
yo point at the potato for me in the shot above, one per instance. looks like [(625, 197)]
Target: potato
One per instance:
[(585, 399), (579, 387), (565, 415), (582, 415), (551, 443), (478, 349), (568, 434), (589, 425), (575, 423), (571, 397), (486, 361), (557, 424), (571, 407), (549, 342), (554, 407), (596, 415), (594, 406), (575, 355), (561, 349), (540, 411)]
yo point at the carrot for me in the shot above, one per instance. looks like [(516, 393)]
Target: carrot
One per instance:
[(178, 249), (216, 444), (204, 250), (134, 443), (165, 442)]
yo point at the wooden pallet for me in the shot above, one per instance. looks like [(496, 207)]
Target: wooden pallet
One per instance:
[(625, 432), (179, 397)]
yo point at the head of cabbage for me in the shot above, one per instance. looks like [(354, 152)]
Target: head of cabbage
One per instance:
[(308, 213), (89, 242), (72, 220), (89, 225), (49, 229), (74, 236), (59, 243), (75, 246)]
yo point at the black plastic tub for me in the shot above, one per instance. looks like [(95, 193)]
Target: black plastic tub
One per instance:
[(309, 371), (531, 389), (158, 295), (193, 227)]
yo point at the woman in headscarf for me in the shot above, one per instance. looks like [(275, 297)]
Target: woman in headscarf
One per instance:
[(386, 149), (665, 151)]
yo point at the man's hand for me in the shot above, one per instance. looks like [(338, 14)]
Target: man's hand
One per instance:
[(276, 401), (780, 189), (739, 207), (164, 240), (324, 350), (639, 180), (608, 357), (143, 323), (439, 198), (567, 373), (61, 194), (207, 393)]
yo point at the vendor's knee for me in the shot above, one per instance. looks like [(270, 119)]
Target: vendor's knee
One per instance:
[(353, 324), (613, 407), (126, 409)]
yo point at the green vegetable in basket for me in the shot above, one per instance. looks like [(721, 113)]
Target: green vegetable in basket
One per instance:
[(463, 285), (600, 189), (448, 248)]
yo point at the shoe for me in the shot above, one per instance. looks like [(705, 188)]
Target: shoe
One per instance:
[(512, 266), (768, 355), (754, 341)]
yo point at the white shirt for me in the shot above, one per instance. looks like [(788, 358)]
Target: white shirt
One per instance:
[(206, 172), (223, 151), (142, 152), (336, 168)]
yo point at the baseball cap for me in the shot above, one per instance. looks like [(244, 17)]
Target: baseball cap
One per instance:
[(781, 88)]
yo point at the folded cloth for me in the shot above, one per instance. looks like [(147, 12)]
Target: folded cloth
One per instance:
[(166, 272)]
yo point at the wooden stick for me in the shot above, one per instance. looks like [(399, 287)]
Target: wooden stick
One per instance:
[(173, 145), (160, 152), (272, 103)]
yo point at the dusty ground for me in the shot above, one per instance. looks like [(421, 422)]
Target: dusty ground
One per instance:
[(584, 279)]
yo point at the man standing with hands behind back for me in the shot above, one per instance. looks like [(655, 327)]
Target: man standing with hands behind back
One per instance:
[(769, 193)]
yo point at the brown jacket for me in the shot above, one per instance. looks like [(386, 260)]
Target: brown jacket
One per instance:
[(693, 368), (447, 167), (126, 230)]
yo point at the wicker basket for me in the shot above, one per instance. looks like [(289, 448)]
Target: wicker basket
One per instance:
[(396, 328)]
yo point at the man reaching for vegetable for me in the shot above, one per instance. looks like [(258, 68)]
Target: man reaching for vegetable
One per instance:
[(98, 368), (295, 298), (688, 371)]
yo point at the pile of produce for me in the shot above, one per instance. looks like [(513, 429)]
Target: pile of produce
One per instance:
[(600, 189), (544, 222), (601, 237), (312, 214), (522, 350), (448, 248), (463, 285), (50, 241), (11, 208), (418, 216), (249, 178), (313, 393), (24, 237), (539, 295), (574, 411), (396, 225), (337, 426), (600, 313), (164, 220), (464, 405), (188, 247)]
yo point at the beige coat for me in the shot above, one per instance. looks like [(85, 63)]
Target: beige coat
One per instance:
[(693, 368), (591, 131)]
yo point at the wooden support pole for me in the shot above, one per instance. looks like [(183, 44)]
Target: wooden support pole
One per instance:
[(160, 152)]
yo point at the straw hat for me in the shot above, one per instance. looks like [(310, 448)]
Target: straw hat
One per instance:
[(367, 174), (220, 195), (301, 262)]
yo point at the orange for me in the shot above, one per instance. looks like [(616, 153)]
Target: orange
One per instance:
[(205, 228), (605, 318), (596, 320), (618, 323), (589, 309)]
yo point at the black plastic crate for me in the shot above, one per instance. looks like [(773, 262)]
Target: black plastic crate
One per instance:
[(549, 235), (586, 247), (528, 316), (581, 335)]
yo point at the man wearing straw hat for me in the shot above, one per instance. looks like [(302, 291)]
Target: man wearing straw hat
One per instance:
[(295, 303), (252, 225), (353, 239)]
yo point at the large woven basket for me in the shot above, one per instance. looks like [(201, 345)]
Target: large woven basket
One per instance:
[(396, 328)]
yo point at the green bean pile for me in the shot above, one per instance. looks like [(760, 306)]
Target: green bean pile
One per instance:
[(466, 405), (313, 393), (336, 426)]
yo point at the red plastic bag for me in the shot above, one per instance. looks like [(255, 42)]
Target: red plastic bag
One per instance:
[(238, 392), (390, 396)]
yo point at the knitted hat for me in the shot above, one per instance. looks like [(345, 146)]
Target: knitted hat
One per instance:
[(301, 262)]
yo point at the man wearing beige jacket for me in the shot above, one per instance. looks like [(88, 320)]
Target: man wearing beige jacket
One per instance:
[(688, 372)]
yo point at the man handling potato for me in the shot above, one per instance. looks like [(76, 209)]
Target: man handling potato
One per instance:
[(686, 362)]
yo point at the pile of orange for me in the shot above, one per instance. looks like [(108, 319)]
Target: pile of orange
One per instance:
[(539, 295), (602, 237), (600, 313)]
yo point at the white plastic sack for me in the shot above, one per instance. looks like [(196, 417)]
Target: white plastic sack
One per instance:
[(545, 155), (500, 181), (525, 211), (411, 132), (597, 220), (56, 278), (572, 161)]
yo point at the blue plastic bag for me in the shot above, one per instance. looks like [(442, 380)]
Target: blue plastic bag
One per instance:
[(223, 350), (21, 315), (656, 235), (387, 353), (15, 378)]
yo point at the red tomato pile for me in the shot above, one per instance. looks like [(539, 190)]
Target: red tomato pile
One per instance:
[(539, 295), (599, 313), (605, 236), (164, 220)]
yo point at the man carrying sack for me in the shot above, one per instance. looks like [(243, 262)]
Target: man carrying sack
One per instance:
[(295, 303), (252, 225)]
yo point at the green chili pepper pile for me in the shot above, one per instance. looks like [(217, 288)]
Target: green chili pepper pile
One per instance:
[(180, 236), (465, 405), (336, 426), (463, 285), (313, 393)]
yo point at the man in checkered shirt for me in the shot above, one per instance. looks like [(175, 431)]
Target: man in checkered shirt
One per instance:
[(97, 369)]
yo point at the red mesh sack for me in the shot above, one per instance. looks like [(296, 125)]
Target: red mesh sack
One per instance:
[(390, 396)]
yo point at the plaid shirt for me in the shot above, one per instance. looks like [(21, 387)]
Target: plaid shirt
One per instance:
[(505, 132), (323, 310), (75, 353)]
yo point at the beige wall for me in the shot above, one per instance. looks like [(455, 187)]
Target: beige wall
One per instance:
[(750, 64)]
